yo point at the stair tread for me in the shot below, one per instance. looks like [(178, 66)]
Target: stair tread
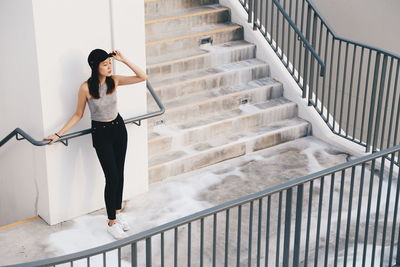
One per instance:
[(247, 134), (193, 31), (205, 72), (217, 92), (171, 57), (186, 11), (244, 110), (202, 50)]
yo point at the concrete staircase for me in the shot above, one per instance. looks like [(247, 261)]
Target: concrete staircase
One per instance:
[(221, 102)]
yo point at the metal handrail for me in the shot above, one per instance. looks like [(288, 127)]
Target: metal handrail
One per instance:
[(376, 159), (353, 96), (302, 37), (295, 28), (21, 135)]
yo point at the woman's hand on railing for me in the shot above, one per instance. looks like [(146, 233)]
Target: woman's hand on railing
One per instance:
[(54, 138)]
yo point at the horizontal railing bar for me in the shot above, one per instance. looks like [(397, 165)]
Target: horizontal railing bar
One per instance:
[(202, 214), (66, 137), (382, 51)]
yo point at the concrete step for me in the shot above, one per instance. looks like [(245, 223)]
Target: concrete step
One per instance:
[(219, 76), (161, 7), (224, 148), (217, 100), (191, 39), (206, 56), (168, 137), (182, 20)]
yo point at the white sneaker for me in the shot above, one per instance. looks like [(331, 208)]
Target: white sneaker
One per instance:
[(116, 231), (121, 219)]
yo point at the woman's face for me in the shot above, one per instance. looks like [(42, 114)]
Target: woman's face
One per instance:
[(105, 67)]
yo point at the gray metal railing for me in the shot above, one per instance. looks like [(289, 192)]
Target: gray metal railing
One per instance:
[(21, 135), (358, 96), (344, 215)]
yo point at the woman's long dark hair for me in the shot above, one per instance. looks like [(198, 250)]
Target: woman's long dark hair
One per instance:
[(93, 83)]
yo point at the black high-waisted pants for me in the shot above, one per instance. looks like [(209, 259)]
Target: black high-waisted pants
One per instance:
[(110, 141)]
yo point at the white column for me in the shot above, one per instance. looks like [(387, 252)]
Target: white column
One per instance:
[(64, 32), (22, 169)]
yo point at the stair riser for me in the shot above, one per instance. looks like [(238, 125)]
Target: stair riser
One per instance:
[(220, 104), (160, 172), (221, 128), (165, 6), (267, 141), (180, 24), (219, 154), (162, 71), (242, 75), (191, 42)]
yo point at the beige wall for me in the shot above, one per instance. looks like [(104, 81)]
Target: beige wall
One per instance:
[(374, 22)]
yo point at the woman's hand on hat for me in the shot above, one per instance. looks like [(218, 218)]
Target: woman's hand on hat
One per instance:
[(118, 55), (53, 138)]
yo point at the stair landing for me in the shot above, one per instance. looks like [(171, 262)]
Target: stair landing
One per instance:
[(171, 199)]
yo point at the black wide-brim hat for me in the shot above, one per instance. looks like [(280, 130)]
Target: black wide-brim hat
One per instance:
[(98, 55)]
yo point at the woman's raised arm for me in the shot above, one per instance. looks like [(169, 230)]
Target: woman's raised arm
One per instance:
[(124, 80)]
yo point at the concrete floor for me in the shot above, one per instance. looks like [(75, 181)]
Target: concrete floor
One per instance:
[(173, 198)]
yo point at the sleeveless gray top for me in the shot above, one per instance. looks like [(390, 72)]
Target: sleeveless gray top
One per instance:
[(105, 107)]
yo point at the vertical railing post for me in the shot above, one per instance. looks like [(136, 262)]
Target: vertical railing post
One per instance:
[(148, 252), (189, 252), (250, 14), (134, 262), (176, 247), (201, 242), (380, 100), (288, 218), (226, 238), (297, 231), (255, 15), (239, 226), (162, 250), (394, 222), (314, 44), (372, 103), (398, 252), (305, 76), (214, 257), (250, 233)]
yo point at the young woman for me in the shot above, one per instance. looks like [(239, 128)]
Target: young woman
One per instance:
[(109, 135)]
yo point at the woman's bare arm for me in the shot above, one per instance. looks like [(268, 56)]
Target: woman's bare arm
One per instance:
[(124, 80), (76, 117)]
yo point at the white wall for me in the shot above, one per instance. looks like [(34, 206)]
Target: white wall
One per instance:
[(64, 33), (22, 169)]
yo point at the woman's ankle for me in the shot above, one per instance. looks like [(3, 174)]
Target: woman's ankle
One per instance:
[(111, 222)]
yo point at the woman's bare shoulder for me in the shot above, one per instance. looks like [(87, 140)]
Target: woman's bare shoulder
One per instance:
[(84, 88)]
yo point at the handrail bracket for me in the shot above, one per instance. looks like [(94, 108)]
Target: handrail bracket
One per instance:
[(19, 137)]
